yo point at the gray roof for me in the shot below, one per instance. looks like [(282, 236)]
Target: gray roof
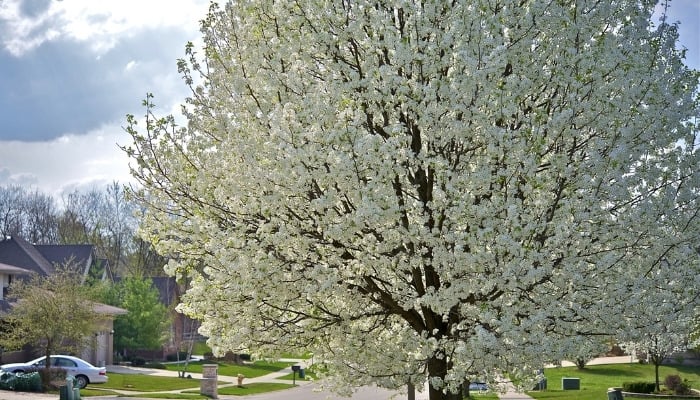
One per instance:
[(17, 252), (76, 256), (43, 259), (106, 309)]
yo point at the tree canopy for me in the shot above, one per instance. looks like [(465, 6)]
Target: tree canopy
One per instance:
[(145, 326), (425, 191)]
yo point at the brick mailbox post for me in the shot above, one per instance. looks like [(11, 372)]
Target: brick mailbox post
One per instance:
[(209, 381)]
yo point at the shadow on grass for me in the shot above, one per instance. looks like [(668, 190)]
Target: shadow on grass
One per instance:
[(607, 371)]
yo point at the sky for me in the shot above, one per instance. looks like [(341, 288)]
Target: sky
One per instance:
[(70, 71)]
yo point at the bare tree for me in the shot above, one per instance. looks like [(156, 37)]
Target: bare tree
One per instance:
[(31, 215), (40, 218)]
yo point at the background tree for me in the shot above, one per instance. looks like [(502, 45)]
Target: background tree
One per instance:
[(119, 227), (52, 313), (584, 349), (659, 323), (105, 218), (31, 215), (11, 199), (144, 260), (424, 191), (83, 218), (146, 325)]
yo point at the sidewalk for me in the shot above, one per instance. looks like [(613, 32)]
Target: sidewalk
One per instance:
[(512, 395)]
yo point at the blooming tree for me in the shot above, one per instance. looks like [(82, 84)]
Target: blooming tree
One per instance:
[(581, 350), (658, 346), (423, 191), (659, 321)]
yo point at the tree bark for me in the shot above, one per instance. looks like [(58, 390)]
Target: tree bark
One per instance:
[(437, 367), (411, 392)]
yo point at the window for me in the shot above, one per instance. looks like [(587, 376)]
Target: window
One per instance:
[(63, 362)]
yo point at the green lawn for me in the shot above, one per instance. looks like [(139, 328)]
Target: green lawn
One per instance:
[(200, 348), (253, 388), (304, 356), (308, 376), (485, 396), (146, 383), (596, 379), (171, 396), (253, 370)]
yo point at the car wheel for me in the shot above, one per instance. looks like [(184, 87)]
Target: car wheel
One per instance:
[(81, 381)]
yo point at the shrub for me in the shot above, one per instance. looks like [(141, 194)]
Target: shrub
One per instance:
[(180, 356), (155, 365), (684, 388), (235, 357), (22, 382), (638, 387), (677, 385), (673, 381), (138, 362)]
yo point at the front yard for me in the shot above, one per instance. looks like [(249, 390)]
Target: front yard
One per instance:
[(596, 379)]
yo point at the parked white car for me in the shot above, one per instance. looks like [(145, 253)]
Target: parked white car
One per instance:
[(81, 370)]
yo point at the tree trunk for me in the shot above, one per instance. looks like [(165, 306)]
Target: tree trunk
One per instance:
[(438, 368), (656, 373), (656, 359), (465, 389)]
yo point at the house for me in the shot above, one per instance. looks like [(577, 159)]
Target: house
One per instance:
[(7, 273), (19, 259)]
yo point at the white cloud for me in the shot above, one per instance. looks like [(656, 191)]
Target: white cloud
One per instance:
[(66, 163), (101, 23)]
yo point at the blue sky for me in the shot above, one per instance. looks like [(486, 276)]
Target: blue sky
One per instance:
[(70, 70)]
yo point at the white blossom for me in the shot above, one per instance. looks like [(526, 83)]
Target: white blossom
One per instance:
[(426, 191)]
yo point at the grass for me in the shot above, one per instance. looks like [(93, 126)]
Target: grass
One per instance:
[(178, 396), (91, 391), (253, 388), (484, 396), (150, 383), (308, 376), (200, 348), (303, 356), (147, 383), (258, 368), (596, 379)]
